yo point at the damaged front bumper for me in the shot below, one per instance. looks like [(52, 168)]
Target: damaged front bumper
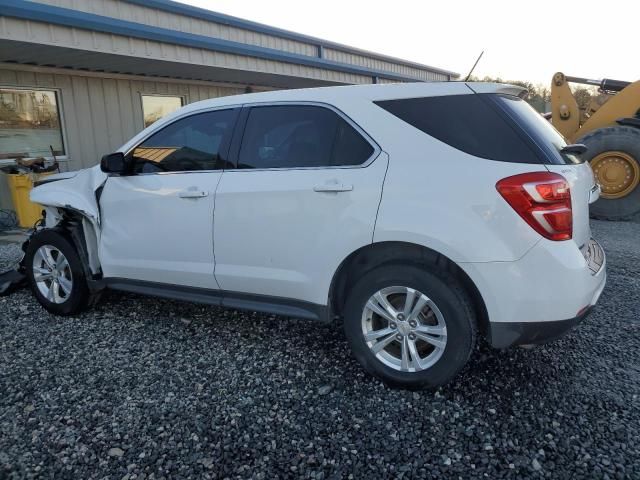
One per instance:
[(16, 278), (12, 280)]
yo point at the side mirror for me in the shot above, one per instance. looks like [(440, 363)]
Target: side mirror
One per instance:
[(114, 163)]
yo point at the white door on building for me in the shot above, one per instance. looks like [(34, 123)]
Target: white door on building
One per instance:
[(157, 221)]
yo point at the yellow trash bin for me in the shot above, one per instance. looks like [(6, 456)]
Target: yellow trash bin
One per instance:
[(20, 184)]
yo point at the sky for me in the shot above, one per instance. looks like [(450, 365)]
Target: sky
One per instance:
[(527, 41)]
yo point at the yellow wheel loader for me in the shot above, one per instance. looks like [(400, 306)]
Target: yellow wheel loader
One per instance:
[(610, 128)]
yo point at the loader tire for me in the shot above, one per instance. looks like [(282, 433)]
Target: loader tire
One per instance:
[(614, 154)]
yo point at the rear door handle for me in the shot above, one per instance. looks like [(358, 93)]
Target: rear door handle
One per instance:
[(333, 187), (195, 193)]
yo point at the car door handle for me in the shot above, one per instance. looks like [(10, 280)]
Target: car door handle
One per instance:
[(333, 187), (192, 193)]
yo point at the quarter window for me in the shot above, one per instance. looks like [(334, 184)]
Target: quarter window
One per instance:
[(197, 142), (30, 123), (298, 136), (350, 148)]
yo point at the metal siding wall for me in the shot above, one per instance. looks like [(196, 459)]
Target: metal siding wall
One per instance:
[(89, 41), (150, 16), (376, 64), (100, 114)]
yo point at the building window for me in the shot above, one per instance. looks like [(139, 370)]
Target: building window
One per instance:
[(154, 107), (30, 123)]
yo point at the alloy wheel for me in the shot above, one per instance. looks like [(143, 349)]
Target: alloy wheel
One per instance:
[(404, 329), (52, 274)]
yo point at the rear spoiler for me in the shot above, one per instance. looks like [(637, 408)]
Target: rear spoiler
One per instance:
[(505, 89)]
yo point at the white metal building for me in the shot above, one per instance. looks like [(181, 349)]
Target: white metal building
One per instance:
[(83, 76)]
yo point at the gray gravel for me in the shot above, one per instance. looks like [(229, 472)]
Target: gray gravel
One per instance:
[(145, 388)]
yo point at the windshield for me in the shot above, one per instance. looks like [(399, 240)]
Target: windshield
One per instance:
[(538, 128)]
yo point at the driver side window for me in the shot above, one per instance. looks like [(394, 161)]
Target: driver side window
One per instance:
[(197, 142)]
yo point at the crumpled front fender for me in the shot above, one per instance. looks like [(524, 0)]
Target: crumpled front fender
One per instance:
[(77, 193)]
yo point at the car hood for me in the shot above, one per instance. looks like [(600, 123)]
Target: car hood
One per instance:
[(55, 177)]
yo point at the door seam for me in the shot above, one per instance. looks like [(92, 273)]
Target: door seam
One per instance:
[(384, 179), (213, 229)]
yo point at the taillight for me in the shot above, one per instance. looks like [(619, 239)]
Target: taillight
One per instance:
[(543, 200)]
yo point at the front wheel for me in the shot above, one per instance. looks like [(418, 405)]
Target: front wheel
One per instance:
[(55, 273), (412, 327)]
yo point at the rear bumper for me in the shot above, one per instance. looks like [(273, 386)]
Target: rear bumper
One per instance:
[(542, 295), (508, 334)]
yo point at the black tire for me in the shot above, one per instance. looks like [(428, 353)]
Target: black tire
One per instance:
[(450, 298), (623, 139), (79, 297)]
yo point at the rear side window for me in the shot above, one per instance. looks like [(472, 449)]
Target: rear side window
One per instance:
[(299, 136), (466, 122)]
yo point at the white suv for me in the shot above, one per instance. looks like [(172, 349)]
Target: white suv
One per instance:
[(419, 215)]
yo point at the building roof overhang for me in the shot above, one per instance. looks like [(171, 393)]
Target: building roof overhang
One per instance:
[(59, 55)]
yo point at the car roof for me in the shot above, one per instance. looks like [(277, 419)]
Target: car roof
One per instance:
[(337, 96), (373, 92)]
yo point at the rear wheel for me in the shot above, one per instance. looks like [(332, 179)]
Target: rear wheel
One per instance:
[(409, 326), (614, 154)]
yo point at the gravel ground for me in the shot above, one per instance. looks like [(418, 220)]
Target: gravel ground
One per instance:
[(145, 388)]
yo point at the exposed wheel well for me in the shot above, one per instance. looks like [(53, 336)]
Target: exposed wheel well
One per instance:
[(77, 229), (375, 255)]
